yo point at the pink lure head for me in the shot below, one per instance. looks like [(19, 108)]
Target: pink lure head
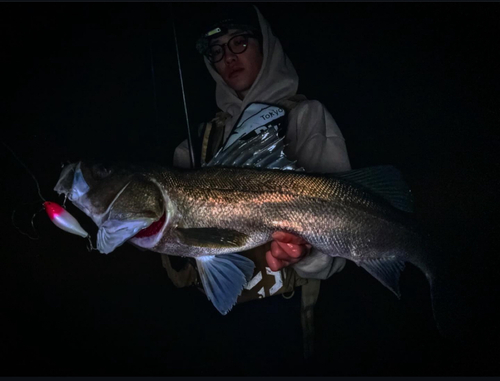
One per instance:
[(53, 210)]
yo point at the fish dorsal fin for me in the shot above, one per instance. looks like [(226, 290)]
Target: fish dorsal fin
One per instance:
[(223, 278), (212, 237), (385, 181), (386, 270)]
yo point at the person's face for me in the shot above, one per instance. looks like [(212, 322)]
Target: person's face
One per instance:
[(239, 71)]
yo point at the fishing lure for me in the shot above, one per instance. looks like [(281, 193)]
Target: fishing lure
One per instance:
[(63, 219), (57, 214)]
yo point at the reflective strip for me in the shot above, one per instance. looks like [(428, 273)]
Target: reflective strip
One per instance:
[(253, 282), (278, 281), (261, 293)]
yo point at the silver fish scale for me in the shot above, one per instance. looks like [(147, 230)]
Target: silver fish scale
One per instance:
[(336, 217)]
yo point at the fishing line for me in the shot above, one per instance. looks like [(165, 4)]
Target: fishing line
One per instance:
[(27, 169), (32, 220), (32, 224), (57, 214), (90, 246), (39, 194), (65, 195)]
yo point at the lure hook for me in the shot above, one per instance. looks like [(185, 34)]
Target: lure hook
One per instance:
[(90, 246)]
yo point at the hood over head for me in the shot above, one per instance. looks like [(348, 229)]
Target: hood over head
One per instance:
[(277, 78)]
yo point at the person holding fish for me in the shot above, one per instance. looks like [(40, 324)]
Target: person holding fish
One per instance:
[(256, 90), (251, 218), (253, 222)]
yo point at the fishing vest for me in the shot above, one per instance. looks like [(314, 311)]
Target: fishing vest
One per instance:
[(264, 282)]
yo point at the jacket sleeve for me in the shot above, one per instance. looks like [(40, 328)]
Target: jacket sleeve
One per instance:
[(315, 141), (181, 155)]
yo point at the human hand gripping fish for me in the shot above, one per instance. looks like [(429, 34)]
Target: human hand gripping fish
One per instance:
[(286, 249)]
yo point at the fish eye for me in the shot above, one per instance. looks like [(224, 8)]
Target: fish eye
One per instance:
[(99, 171)]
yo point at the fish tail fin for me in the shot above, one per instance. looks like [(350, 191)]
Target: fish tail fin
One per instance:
[(453, 304), (435, 294), (387, 270), (447, 310), (438, 292), (449, 307)]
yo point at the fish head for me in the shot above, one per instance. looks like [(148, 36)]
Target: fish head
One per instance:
[(124, 201)]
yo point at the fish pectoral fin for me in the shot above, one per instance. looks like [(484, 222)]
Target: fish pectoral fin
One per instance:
[(223, 278), (212, 237), (386, 271)]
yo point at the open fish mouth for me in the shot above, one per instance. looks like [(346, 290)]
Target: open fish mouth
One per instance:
[(72, 184), (74, 187), (114, 230), (144, 232)]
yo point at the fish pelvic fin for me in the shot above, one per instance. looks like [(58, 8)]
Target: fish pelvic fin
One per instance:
[(223, 278), (385, 181), (387, 271)]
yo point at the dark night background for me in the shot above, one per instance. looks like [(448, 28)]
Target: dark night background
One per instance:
[(414, 85)]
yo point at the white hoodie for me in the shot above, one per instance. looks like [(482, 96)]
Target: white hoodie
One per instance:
[(313, 137)]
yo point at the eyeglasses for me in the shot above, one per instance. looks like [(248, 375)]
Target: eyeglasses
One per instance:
[(237, 44)]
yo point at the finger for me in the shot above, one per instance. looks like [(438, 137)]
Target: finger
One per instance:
[(278, 253), (274, 264), (288, 238), (292, 251)]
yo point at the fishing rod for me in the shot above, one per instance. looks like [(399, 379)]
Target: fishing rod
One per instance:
[(190, 141)]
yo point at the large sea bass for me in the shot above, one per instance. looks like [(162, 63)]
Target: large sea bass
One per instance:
[(215, 212)]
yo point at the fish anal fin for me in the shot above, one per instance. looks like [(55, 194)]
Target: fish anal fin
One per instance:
[(224, 277), (386, 270)]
